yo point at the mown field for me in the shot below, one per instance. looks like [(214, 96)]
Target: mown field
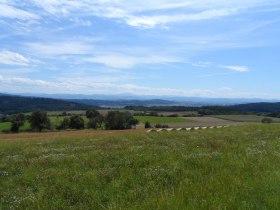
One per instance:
[(161, 120), (230, 168), (246, 118)]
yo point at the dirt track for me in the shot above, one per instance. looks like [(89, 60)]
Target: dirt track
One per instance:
[(64, 134)]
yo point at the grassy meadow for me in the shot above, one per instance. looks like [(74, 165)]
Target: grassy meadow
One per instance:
[(229, 168)]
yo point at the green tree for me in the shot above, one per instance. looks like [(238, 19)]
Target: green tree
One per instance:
[(65, 124), (96, 122), (17, 121), (77, 122), (39, 120), (148, 125), (116, 120), (92, 113)]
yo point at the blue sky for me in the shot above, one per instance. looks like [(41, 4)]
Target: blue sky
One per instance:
[(206, 48)]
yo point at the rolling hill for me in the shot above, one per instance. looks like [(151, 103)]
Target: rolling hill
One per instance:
[(14, 104), (257, 107)]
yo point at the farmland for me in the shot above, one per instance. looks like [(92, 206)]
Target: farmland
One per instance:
[(246, 118), (158, 120), (229, 168)]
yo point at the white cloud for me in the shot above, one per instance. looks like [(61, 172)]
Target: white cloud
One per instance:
[(152, 21), (202, 64), (127, 62), (12, 58), (59, 48), (236, 68), (87, 86), (142, 13), (81, 22), (7, 11)]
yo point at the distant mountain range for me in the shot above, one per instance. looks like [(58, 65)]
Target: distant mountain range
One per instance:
[(13, 104), (126, 99), (257, 107)]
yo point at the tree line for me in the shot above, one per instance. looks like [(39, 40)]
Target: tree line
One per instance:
[(39, 121)]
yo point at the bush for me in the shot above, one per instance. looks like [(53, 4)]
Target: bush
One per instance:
[(77, 122), (39, 120), (17, 121), (161, 126), (65, 124), (267, 120), (95, 122), (95, 119), (116, 120), (148, 125), (6, 131), (92, 114)]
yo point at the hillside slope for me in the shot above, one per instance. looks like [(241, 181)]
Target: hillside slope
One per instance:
[(258, 107), (15, 104)]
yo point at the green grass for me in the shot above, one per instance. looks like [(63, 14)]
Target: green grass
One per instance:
[(230, 168), (5, 126), (245, 118), (160, 120)]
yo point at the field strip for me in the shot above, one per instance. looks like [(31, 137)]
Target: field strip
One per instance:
[(67, 134), (185, 129)]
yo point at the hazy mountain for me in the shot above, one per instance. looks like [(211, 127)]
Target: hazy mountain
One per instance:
[(257, 107), (188, 101), (123, 103), (14, 104)]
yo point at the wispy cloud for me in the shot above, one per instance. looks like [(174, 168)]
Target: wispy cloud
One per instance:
[(152, 21), (236, 68), (127, 62), (7, 11), (138, 13), (59, 48), (86, 86), (12, 58)]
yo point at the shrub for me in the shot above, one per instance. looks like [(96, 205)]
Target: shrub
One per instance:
[(161, 126), (267, 120), (95, 122), (148, 125), (92, 113), (65, 124), (17, 121), (116, 120), (77, 122), (39, 120)]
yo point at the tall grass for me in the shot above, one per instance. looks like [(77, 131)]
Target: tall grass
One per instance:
[(230, 168)]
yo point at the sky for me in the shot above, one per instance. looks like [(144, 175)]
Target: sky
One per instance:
[(201, 48)]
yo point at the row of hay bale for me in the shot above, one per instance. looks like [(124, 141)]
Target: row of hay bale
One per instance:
[(184, 129)]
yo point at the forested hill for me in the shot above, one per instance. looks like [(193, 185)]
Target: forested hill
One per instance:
[(257, 107), (123, 103), (15, 104)]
